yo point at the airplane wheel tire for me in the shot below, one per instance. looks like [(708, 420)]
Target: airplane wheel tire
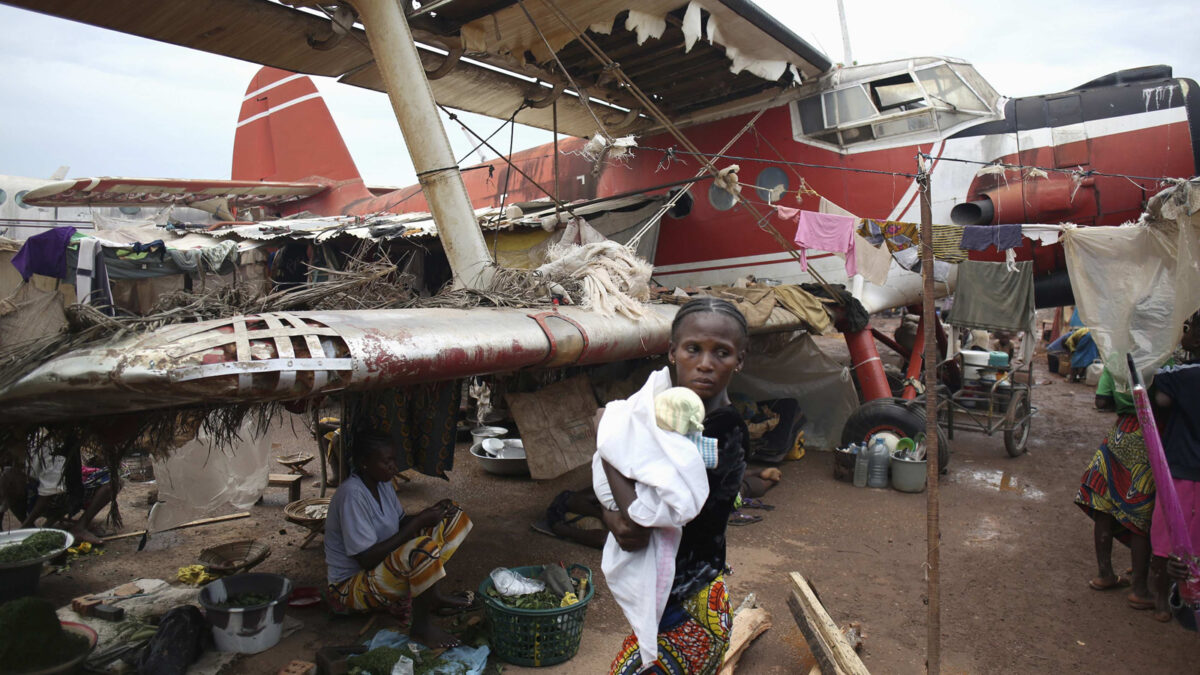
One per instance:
[(898, 416)]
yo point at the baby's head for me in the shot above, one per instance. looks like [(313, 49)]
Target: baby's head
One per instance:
[(679, 409)]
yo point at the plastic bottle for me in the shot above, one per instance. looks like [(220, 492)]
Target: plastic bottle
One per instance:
[(862, 461), (877, 472)]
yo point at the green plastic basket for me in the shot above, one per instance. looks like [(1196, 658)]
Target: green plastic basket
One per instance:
[(536, 637)]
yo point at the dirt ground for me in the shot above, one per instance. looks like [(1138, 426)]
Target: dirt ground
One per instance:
[(1016, 556)]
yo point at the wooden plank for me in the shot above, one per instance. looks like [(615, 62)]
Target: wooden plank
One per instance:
[(748, 624), (833, 652), (820, 650), (194, 523)]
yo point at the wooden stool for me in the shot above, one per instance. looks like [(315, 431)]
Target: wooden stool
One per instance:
[(288, 480)]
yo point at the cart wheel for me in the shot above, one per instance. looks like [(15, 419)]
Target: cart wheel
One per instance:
[(1016, 424), (900, 417)]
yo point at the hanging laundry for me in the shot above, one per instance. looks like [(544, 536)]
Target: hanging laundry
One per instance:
[(421, 420), (980, 237), (873, 261), (897, 235), (44, 254), (946, 243), (990, 297), (910, 259), (1042, 234), (1008, 237), (824, 232), (91, 275)]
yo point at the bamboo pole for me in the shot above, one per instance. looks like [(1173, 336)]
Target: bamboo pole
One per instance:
[(933, 648)]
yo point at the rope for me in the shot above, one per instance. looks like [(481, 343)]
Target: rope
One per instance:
[(637, 238), (579, 91), (1078, 171), (507, 160), (649, 106)]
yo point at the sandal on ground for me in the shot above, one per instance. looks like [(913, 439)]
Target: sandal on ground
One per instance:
[(1121, 581), (755, 503), (543, 527), (744, 519)]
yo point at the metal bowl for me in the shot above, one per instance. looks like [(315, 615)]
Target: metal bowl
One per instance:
[(480, 433), (15, 536), (512, 461)]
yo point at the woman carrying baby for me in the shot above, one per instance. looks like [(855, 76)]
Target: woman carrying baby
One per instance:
[(707, 346)]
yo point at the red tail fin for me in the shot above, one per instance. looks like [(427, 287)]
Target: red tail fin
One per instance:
[(285, 132)]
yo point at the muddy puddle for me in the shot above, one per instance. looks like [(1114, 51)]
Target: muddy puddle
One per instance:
[(996, 479)]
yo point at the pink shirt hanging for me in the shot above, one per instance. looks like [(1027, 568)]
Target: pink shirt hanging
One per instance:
[(824, 232)]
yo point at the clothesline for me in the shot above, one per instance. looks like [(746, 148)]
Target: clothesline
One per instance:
[(862, 240), (1078, 171), (672, 152)]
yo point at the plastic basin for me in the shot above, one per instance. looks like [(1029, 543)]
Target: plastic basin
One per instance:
[(246, 630)]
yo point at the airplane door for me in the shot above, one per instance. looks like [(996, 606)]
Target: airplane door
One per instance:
[(1067, 134)]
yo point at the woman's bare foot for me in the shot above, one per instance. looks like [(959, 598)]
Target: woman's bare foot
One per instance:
[(1139, 602), (771, 475), (1108, 583), (459, 600), (82, 534), (433, 637)]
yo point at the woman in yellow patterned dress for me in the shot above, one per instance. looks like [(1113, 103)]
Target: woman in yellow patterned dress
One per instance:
[(381, 559)]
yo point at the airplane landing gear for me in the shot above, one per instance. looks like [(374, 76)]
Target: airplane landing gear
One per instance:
[(892, 416)]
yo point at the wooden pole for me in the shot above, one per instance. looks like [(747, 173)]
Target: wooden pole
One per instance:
[(933, 648)]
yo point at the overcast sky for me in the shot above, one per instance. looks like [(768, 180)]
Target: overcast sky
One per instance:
[(105, 103)]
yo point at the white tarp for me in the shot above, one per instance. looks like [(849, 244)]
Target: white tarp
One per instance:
[(199, 481), (1136, 284)]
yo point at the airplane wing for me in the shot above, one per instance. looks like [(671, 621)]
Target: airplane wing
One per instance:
[(123, 191), (700, 60)]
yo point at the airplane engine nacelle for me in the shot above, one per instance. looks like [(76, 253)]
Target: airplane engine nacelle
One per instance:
[(1030, 201)]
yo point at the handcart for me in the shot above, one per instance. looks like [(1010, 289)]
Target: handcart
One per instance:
[(993, 401)]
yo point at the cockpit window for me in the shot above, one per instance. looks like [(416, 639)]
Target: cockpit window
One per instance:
[(898, 93), (944, 87), (847, 106), (935, 97), (976, 82)]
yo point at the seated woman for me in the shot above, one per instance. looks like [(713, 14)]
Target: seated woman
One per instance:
[(382, 559)]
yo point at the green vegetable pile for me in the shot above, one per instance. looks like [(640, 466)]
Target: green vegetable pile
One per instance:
[(35, 545), (246, 600), (17, 552), (46, 541), (31, 638), (378, 661)]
